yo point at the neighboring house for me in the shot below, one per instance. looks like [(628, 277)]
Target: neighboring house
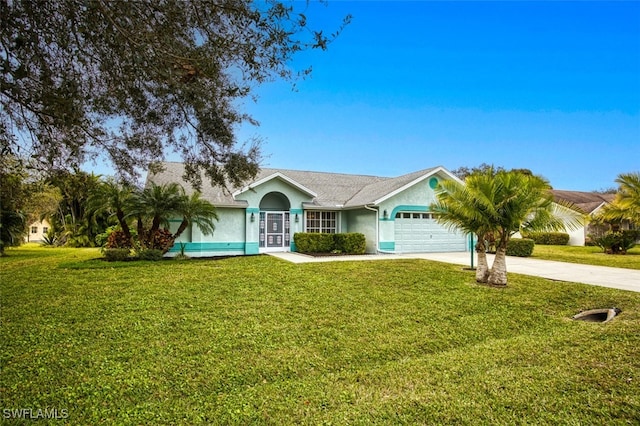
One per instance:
[(587, 204), (37, 230), (263, 215)]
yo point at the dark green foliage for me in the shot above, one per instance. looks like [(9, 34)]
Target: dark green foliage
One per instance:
[(617, 242), (133, 80), (350, 243), (73, 221), (521, 247), (116, 254), (313, 242), (549, 238), (13, 195), (49, 239), (150, 254)]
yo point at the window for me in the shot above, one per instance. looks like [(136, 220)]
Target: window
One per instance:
[(34, 229), (45, 230), (404, 215), (322, 222)]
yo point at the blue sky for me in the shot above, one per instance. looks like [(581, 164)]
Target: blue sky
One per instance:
[(549, 86)]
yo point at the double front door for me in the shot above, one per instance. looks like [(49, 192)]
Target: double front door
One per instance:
[(275, 232)]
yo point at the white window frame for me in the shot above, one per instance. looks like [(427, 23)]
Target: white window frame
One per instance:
[(325, 223)]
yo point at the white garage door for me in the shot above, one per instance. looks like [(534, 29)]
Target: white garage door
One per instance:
[(419, 232)]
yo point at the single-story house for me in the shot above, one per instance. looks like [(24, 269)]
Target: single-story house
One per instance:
[(587, 204), (37, 231), (264, 214)]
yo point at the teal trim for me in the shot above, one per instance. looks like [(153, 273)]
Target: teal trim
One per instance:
[(252, 248), (405, 208), (387, 245), (253, 210), (175, 220), (200, 247), (295, 211)]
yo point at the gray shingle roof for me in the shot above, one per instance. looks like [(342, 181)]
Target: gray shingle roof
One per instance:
[(587, 202), (332, 189)]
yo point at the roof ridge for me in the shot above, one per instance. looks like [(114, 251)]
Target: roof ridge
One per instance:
[(325, 173)]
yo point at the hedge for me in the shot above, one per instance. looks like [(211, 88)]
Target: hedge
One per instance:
[(313, 242), (521, 247), (116, 254), (150, 254), (549, 238)]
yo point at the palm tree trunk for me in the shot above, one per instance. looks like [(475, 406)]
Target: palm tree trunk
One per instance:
[(123, 224), (181, 228), (498, 274), (482, 269), (141, 237)]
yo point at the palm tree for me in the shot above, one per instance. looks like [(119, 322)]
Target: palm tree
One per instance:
[(160, 203), (499, 204), (195, 210), (522, 202), (626, 205), (155, 204), (460, 206), (113, 198), (12, 228)]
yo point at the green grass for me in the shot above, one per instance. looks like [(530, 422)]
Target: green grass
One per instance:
[(588, 255), (256, 340)]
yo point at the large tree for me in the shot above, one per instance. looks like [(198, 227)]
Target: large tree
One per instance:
[(131, 80), (13, 196)]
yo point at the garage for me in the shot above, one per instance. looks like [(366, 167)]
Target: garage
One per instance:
[(421, 233)]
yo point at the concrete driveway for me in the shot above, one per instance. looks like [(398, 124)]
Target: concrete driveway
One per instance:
[(604, 276)]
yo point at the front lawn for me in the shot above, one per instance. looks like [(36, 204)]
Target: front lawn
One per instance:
[(588, 256), (256, 340)]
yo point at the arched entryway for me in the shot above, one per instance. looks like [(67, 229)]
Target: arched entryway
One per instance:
[(275, 227)]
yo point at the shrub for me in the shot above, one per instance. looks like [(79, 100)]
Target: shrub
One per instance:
[(617, 242), (118, 239), (350, 243), (521, 247), (161, 239), (549, 238), (150, 254), (50, 239), (313, 242), (116, 254)]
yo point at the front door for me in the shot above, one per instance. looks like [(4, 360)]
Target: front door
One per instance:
[(274, 231)]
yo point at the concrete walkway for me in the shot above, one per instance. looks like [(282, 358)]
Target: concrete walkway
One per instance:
[(604, 276)]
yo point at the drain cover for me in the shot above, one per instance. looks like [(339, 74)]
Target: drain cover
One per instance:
[(597, 315)]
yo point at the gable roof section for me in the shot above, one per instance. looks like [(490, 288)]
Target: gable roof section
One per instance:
[(404, 182), (327, 190), (332, 190), (587, 202), (276, 175)]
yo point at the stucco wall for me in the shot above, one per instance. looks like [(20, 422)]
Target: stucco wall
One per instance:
[(227, 239), (364, 222), (415, 198)]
